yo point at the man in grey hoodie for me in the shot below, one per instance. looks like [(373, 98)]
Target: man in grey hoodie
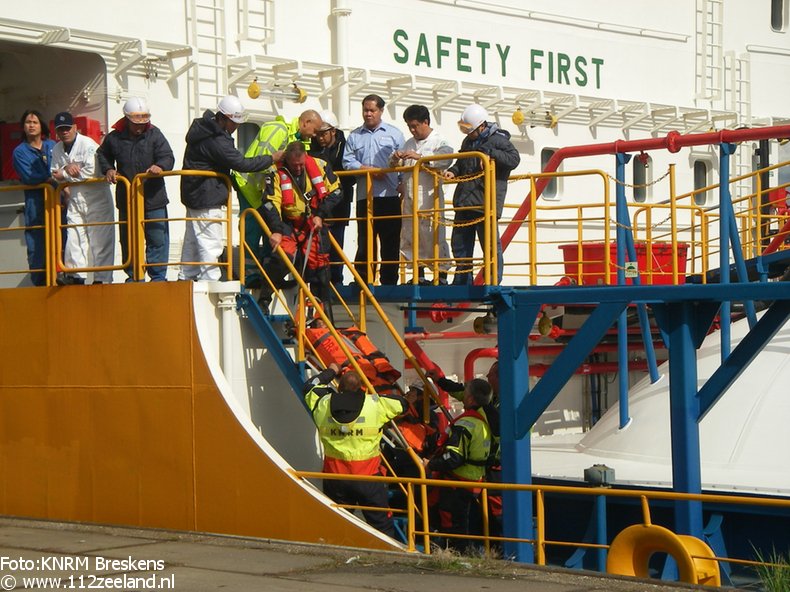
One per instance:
[(481, 136)]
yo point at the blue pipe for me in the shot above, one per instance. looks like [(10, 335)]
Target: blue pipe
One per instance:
[(623, 222), (725, 214)]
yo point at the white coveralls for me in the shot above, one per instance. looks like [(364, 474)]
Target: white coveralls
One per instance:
[(88, 204), (433, 145), (203, 241)]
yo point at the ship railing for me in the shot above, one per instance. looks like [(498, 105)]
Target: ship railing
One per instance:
[(761, 217), (138, 222), (56, 228), (420, 531), (440, 216), (59, 228), (47, 202), (553, 243)]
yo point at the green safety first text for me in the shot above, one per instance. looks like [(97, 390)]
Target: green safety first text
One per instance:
[(484, 57)]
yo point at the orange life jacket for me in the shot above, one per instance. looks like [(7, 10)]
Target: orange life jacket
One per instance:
[(316, 178), (371, 352), (330, 352), (414, 430)]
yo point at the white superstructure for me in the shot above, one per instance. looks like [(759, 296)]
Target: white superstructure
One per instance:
[(594, 72)]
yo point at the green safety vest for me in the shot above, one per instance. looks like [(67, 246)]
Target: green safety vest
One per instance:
[(356, 440), (273, 136), (475, 449)]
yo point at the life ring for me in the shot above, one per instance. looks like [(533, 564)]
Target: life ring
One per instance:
[(631, 550)]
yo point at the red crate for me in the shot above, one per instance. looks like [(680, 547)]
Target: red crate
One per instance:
[(10, 136), (654, 267)]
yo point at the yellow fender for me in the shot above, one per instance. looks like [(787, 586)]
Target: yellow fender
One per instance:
[(631, 550)]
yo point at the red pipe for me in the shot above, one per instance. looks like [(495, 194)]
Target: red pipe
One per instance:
[(778, 239), (594, 368), (473, 355), (543, 350), (673, 142)]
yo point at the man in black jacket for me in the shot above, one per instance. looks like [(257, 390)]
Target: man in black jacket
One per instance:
[(210, 147), (137, 146), (481, 136), (328, 145)]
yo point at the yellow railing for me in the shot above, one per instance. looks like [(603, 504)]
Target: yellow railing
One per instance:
[(53, 226), (438, 213), (48, 205), (697, 224), (557, 240), (137, 222), (58, 226), (540, 542)]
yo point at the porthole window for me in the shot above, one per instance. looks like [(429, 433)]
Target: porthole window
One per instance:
[(641, 170), (779, 16), (550, 192), (701, 173)]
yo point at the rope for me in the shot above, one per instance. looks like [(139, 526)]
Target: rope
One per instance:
[(443, 222), (639, 185), (460, 179)]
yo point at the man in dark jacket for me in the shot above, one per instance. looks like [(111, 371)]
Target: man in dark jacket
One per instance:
[(328, 145), (210, 147), (137, 146), (481, 136)]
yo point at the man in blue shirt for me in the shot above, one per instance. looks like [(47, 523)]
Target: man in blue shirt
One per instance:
[(31, 162), (370, 147)]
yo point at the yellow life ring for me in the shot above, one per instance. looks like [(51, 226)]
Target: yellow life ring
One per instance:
[(631, 550)]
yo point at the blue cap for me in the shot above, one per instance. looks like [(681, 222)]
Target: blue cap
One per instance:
[(63, 119)]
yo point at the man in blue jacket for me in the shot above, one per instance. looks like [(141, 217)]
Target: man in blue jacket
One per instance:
[(136, 146), (210, 147), (486, 137)]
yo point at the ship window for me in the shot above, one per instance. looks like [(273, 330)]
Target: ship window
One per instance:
[(642, 167), (701, 169), (779, 15), (550, 192), (245, 134)]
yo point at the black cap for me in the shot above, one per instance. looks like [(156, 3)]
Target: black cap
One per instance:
[(63, 119)]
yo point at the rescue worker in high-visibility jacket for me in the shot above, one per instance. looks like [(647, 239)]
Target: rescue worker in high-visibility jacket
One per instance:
[(273, 137), (349, 424), (304, 193), (494, 468), (463, 457)]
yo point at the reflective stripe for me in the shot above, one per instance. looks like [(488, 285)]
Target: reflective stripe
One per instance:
[(250, 184), (356, 440)]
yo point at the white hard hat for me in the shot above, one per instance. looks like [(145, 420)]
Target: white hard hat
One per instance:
[(136, 110), (231, 107), (329, 120), (473, 117)]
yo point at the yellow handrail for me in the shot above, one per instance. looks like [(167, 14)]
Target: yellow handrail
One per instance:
[(540, 491), (58, 226)]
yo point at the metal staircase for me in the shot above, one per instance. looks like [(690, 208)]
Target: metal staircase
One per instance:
[(261, 322)]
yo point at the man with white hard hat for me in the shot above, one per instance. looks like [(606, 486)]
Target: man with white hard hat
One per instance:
[(328, 145), (136, 146), (486, 137), (210, 147)]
